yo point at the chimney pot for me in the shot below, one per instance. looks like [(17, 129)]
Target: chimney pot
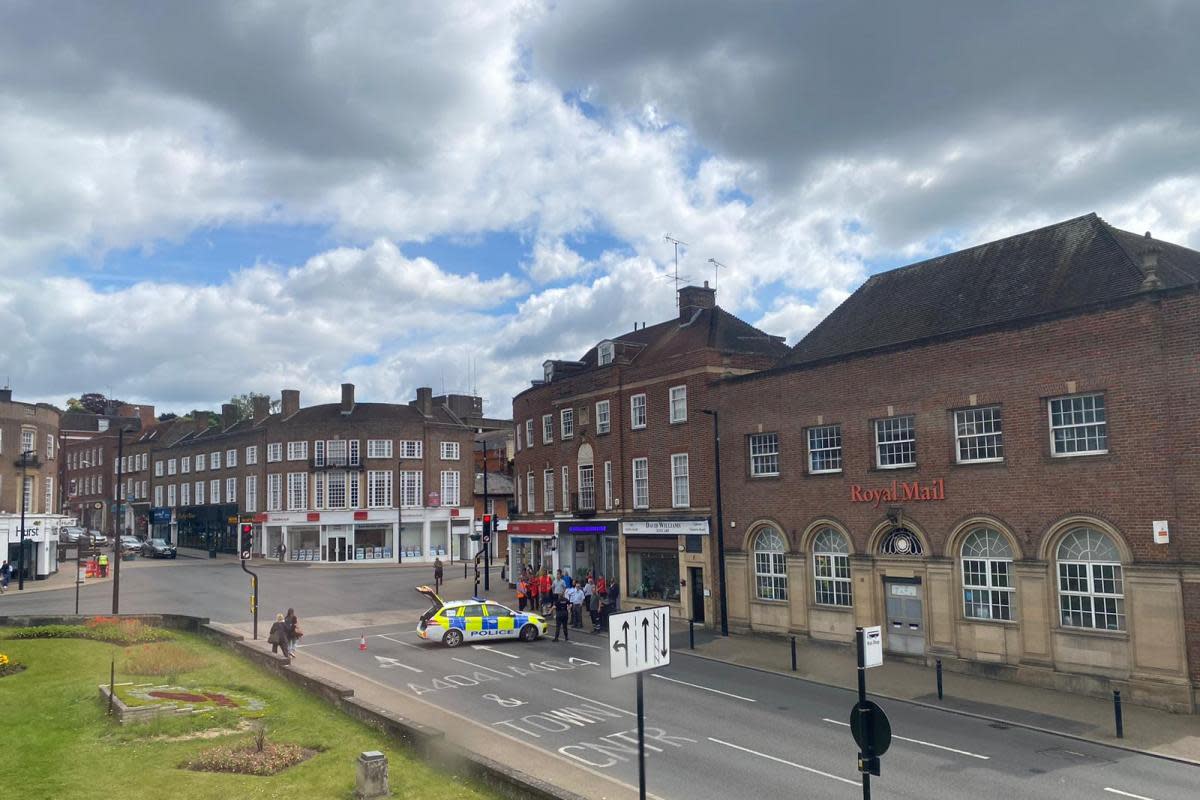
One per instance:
[(6, 395), (347, 398), (694, 298), (425, 400), (1150, 264), (262, 408)]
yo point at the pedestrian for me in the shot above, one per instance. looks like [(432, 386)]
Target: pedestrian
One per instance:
[(103, 565), (589, 594), (546, 588), (292, 629), (437, 574), (281, 550), (535, 588), (5, 576), (558, 588), (612, 603), (575, 595), (568, 581), (522, 592), (561, 608), (278, 635)]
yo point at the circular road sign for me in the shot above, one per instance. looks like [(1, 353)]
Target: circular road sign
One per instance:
[(487, 538), (881, 729)]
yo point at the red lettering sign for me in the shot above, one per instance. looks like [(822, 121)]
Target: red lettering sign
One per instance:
[(360, 515), (314, 516), (900, 491)]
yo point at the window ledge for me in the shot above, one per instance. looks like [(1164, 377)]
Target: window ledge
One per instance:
[(825, 607), (764, 602), (1003, 623), (1094, 632)]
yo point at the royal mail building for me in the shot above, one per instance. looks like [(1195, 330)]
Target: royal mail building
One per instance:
[(995, 455)]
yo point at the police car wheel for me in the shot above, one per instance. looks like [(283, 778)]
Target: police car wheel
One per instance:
[(453, 638), (529, 633)]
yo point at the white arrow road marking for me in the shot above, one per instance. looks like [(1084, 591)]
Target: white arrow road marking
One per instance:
[(916, 741), (1127, 794), (493, 650), (705, 688), (388, 663), (782, 761), (597, 702)]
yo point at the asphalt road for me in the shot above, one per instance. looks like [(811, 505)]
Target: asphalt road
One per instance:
[(713, 730)]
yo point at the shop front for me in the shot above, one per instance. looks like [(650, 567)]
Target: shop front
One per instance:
[(361, 536), (666, 561), (208, 527), (532, 546), (41, 543), (160, 523), (589, 546)]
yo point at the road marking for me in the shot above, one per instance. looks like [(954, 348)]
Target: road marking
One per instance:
[(334, 641), (583, 644), (386, 663), (397, 641), (492, 650), (705, 688), (1127, 794), (782, 761), (356, 638), (917, 741), (597, 702), (480, 666)]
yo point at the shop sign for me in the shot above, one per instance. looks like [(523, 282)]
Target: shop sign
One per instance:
[(584, 528), (160, 516), (666, 527), (360, 515), (526, 528), (313, 516), (454, 512), (899, 491), (259, 518)]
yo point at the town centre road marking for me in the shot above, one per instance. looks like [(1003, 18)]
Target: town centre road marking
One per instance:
[(481, 666), (493, 650), (1127, 794), (782, 761), (705, 688), (397, 641), (597, 702), (916, 741)]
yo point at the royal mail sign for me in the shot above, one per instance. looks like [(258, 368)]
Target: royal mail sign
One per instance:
[(899, 492)]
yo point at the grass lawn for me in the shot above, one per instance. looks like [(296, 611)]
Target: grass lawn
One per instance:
[(58, 744)]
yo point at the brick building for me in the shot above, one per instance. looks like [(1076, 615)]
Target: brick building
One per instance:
[(29, 483), (494, 451), (995, 455), (613, 463), (322, 480), (87, 475)]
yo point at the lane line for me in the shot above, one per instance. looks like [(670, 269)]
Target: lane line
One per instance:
[(782, 761), (334, 641), (391, 662), (705, 688), (917, 741), (584, 644), (1127, 794), (397, 641), (492, 650), (480, 666), (597, 702)]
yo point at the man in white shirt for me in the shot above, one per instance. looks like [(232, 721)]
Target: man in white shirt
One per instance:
[(575, 595)]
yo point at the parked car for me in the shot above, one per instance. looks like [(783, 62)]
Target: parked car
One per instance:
[(158, 548), (131, 544), (72, 535), (98, 539)]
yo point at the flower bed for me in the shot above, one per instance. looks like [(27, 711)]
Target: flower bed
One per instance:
[(247, 759), (189, 699), (101, 629), (9, 667)]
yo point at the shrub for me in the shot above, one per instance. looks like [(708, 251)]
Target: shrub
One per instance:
[(162, 659), (247, 759), (126, 631), (8, 666)]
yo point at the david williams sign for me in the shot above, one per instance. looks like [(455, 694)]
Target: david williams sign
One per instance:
[(899, 491)]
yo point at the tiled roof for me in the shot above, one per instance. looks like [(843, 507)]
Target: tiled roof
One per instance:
[(498, 484), (363, 412), (1070, 265)]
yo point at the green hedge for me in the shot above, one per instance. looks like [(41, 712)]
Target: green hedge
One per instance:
[(128, 632)]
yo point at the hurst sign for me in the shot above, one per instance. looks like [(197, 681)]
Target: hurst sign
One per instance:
[(899, 491)]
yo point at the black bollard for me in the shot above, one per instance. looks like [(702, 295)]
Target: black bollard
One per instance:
[(793, 654), (691, 634), (1117, 713), (939, 678), (464, 569)]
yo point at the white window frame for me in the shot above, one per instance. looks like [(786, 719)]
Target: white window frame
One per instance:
[(411, 448), (824, 448), (336, 488), (641, 484), (48, 495), (566, 488), (529, 433), (158, 496), (274, 452), (892, 433), (251, 455), (355, 446), (1094, 574), (231, 490), (158, 468), (677, 404), (603, 416), (170, 466), (250, 502), (201, 462), (637, 412), (547, 490), (547, 428), (1085, 409), (586, 487), (764, 455), (518, 427), (214, 491), (978, 430), (451, 488), (185, 465), (831, 569), (530, 493), (185, 494), (379, 448), (987, 576), (231, 458), (608, 498), (770, 566), (379, 487), (681, 490), (198, 493), (171, 493), (275, 491), (214, 460), (411, 488), (297, 451), (297, 491), (449, 451), (566, 422), (28, 441), (604, 353)]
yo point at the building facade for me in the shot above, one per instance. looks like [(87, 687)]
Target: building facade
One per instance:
[(995, 455), (613, 463), (28, 471)]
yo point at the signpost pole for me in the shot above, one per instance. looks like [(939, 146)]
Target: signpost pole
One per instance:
[(641, 741), (865, 755)]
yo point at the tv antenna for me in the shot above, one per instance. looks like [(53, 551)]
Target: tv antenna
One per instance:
[(717, 265), (676, 243)]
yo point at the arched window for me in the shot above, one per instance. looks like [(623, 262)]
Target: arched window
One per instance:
[(831, 568), (770, 565), (900, 542), (1091, 590), (987, 575)]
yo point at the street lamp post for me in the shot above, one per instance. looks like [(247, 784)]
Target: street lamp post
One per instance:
[(720, 522), (119, 517), (21, 551)]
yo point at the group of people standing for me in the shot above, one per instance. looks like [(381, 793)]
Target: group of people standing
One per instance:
[(568, 597), (285, 633)]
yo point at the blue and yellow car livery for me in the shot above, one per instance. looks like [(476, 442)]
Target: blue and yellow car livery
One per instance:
[(475, 620)]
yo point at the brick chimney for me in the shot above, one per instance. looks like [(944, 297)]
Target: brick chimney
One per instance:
[(6, 395), (425, 400), (262, 408), (347, 398), (228, 416), (289, 402), (694, 298)]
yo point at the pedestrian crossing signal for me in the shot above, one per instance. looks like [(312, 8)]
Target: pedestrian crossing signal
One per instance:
[(247, 540)]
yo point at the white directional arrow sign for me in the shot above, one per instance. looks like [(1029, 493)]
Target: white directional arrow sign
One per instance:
[(639, 640)]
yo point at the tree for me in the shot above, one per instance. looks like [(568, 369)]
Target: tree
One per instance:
[(167, 416), (73, 404), (244, 404), (94, 402)]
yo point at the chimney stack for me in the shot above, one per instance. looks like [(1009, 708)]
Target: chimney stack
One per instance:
[(262, 408), (6, 395), (694, 298), (289, 402), (425, 400), (228, 416), (347, 398), (1150, 265)]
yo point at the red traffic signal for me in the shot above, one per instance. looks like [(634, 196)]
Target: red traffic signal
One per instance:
[(247, 537), (487, 519)]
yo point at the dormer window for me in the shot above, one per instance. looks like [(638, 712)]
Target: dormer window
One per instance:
[(548, 371), (604, 353)]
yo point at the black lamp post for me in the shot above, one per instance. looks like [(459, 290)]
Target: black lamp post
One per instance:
[(120, 519), (720, 522), (21, 552)]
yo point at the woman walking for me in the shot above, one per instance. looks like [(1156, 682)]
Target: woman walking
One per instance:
[(292, 629), (278, 635)]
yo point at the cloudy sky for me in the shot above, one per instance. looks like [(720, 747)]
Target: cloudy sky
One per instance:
[(203, 199)]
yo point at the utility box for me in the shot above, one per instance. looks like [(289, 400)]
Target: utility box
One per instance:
[(372, 778)]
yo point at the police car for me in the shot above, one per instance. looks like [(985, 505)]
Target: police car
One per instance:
[(477, 619)]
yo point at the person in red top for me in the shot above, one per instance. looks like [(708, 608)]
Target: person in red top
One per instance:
[(535, 587), (544, 583)]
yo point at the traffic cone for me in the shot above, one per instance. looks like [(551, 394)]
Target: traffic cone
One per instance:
[(362, 643)]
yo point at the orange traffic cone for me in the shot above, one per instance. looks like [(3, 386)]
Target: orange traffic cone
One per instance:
[(362, 643)]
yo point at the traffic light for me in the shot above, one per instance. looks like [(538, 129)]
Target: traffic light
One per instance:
[(247, 540), (486, 528)]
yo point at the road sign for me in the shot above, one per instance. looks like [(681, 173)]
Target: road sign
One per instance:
[(881, 728), (873, 646), (487, 538), (639, 640)]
